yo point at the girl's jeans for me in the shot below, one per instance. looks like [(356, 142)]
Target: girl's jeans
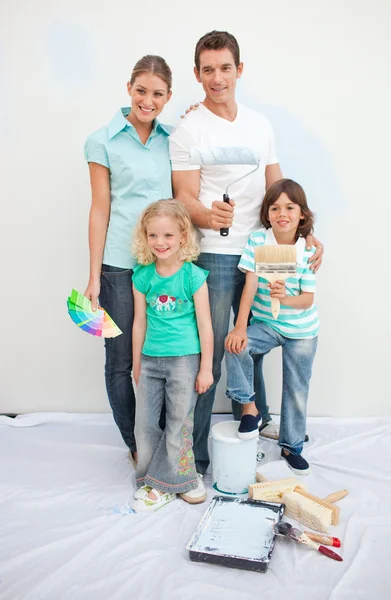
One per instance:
[(116, 297), (297, 359), (165, 458)]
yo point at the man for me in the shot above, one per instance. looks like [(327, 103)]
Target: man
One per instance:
[(220, 121)]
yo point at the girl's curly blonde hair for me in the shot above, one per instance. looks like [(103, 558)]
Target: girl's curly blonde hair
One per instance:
[(174, 209)]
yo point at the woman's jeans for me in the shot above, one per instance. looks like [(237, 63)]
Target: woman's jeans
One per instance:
[(297, 359), (165, 458), (225, 285), (116, 297)]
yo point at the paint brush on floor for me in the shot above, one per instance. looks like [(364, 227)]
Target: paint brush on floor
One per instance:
[(326, 540), (286, 529), (275, 263)]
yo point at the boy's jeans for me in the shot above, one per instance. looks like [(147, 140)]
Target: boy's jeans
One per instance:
[(225, 285), (297, 359), (165, 458), (116, 297)]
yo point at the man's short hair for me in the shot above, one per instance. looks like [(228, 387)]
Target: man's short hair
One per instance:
[(217, 40)]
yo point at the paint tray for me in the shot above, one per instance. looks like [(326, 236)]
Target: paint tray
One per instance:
[(236, 533)]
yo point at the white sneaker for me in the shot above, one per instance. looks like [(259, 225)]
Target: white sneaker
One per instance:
[(142, 492), (147, 504), (198, 495), (269, 430)]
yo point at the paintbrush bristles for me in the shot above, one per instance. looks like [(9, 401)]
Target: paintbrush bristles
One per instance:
[(276, 253)]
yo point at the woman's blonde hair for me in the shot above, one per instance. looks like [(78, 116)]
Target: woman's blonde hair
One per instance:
[(189, 249), (155, 65)]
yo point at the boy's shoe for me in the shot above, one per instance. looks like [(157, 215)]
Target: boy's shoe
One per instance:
[(146, 504), (296, 463), (271, 431), (141, 492), (248, 428), (198, 495)]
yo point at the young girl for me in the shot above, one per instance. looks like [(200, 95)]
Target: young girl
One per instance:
[(172, 325), (129, 168), (287, 220)]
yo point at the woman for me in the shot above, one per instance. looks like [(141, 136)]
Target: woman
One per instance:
[(129, 168)]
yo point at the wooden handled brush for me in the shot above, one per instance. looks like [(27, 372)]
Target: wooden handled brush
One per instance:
[(286, 529), (275, 263), (327, 540), (312, 511)]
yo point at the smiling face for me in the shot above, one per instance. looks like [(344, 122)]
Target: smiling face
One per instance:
[(164, 238), (149, 95), (218, 75), (284, 216)]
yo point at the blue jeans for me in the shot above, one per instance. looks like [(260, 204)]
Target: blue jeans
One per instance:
[(225, 284), (297, 359), (165, 458), (116, 297)]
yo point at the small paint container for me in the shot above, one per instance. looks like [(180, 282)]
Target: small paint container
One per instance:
[(234, 461)]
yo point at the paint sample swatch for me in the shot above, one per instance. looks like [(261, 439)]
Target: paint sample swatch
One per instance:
[(97, 323)]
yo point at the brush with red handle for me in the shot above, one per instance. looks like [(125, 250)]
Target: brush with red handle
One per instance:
[(326, 540), (286, 529)]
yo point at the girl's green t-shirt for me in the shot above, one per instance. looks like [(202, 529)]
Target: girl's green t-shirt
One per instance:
[(171, 319)]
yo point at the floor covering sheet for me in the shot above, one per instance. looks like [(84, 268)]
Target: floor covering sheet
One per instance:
[(67, 531)]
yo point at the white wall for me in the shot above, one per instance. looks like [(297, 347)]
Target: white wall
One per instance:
[(319, 70)]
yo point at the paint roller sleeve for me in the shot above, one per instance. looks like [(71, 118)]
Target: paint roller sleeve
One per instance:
[(223, 155)]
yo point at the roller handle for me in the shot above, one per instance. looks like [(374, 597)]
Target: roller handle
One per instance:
[(225, 230)]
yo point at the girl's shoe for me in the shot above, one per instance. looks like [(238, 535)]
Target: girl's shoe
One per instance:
[(147, 504), (141, 492), (198, 495)]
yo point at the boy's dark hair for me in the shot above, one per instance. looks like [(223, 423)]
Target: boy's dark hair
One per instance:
[(296, 194), (217, 40)]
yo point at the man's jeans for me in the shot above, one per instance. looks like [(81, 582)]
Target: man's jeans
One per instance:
[(165, 458), (225, 284), (297, 359), (116, 297)]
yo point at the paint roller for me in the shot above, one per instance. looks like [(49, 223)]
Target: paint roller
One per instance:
[(225, 155)]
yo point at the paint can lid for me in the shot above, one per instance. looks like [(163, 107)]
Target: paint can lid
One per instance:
[(226, 432)]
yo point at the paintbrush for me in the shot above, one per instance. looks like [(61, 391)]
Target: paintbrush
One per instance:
[(326, 540), (312, 511), (286, 529), (275, 263)]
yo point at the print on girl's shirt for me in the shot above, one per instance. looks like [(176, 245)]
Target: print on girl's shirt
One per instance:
[(164, 303)]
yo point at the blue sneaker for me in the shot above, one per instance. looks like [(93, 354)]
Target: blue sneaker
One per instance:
[(296, 463), (248, 428)]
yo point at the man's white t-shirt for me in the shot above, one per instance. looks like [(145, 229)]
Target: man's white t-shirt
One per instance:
[(202, 128)]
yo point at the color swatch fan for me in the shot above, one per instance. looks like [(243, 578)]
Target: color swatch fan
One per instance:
[(97, 323)]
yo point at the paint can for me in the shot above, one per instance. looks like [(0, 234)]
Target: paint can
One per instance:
[(234, 461)]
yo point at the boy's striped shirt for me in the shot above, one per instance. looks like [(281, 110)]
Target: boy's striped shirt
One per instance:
[(291, 322)]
